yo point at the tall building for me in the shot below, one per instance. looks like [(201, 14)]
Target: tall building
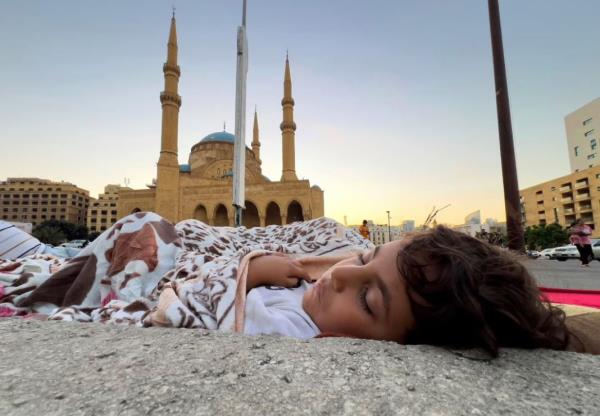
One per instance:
[(563, 200), (202, 188), (583, 128), (102, 212), (407, 226), (34, 200)]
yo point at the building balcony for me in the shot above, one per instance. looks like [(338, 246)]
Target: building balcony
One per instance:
[(566, 188), (579, 185), (587, 220), (542, 217), (585, 208), (567, 200), (569, 211), (582, 197)]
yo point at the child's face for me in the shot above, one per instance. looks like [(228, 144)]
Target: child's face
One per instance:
[(362, 296)]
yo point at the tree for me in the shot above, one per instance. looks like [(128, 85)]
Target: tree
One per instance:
[(49, 235), (539, 237), (56, 231), (93, 235)]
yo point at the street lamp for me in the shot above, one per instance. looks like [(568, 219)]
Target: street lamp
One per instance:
[(389, 232), (514, 227)]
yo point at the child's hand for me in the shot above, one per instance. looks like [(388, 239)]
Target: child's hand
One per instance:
[(275, 270)]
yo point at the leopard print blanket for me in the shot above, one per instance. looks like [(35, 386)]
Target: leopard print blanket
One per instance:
[(147, 272)]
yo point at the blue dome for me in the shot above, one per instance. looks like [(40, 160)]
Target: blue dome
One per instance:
[(220, 136)]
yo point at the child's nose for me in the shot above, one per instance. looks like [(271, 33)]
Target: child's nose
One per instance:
[(342, 277)]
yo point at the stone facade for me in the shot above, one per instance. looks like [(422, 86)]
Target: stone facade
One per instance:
[(563, 200), (103, 212), (202, 188), (35, 200)]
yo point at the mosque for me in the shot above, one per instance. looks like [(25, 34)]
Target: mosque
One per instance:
[(202, 188)]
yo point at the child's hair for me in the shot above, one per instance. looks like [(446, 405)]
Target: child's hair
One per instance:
[(467, 293)]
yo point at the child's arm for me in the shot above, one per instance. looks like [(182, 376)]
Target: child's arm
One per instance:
[(275, 270)]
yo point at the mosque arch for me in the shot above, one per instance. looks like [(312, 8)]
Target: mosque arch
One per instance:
[(273, 215), (221, 217), (200, 213), (250, 216), (294, 212)]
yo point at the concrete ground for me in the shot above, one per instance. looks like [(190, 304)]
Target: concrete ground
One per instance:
[(59, 368), (565, 274)]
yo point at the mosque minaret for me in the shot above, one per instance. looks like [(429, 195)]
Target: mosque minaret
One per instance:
[(288, 128), (202, 187), (255, 138), (167, 178)]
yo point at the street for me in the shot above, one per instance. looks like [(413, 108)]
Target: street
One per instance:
[(564, 274)]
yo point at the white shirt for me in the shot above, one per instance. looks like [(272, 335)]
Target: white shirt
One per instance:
[(277, 310)]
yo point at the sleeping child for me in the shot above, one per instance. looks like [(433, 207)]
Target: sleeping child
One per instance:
[(307, 279)]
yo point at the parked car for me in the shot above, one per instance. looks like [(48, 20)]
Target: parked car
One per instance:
[(75, 244), (596, 249), (546, 253), (565, 253), (534, 254)]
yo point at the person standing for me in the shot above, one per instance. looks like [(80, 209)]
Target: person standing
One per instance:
[(580, 237), (364, 230)]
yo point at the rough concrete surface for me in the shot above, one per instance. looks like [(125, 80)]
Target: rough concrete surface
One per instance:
[(58, 368)]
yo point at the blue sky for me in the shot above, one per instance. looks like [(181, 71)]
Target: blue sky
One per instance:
[(394, 99)]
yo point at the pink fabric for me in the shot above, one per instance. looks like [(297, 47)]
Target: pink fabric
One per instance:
[(111, 296), (589, 298), (6, 312), (581, 235)]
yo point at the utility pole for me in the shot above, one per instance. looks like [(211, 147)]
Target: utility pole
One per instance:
[(239, 147), (507, 151), (389, 231)]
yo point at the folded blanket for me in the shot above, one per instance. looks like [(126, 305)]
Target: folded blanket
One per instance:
[(147, 272)]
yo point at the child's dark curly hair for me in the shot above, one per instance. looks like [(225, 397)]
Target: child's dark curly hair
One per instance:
[(467, 293)]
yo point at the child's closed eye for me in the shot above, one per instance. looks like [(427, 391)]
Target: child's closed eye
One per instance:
[(363, 300)]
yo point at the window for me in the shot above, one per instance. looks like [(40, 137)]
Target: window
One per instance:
[(592, 156), (589, 133), (576, 150), (587, 121)]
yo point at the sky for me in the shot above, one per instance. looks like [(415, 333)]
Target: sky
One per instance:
[(395, 102)]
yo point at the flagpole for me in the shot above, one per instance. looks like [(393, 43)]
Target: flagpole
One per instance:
[(239, 148)]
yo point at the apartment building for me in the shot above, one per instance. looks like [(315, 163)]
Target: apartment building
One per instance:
[(102, 212), (582, 127), (35, 200), (380, 234), (563, 200)]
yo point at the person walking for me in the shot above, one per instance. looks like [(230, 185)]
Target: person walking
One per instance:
[(364, 230), (580, 237)]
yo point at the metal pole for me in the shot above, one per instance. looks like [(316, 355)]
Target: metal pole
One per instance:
[(389, 232), (239, 147), (507, 151)]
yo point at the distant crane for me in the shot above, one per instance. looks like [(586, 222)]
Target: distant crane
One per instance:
[(431, 217)]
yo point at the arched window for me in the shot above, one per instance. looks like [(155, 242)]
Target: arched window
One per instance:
[(294, 212), (273, 214), (250, 215), (221, 218), (200, 213)]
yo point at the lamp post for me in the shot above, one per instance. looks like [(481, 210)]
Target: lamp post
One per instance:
[(389, 231), (514, 227)]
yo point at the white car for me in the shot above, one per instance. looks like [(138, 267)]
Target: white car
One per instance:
[(565, 253), (75, 244), (546, 253)]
